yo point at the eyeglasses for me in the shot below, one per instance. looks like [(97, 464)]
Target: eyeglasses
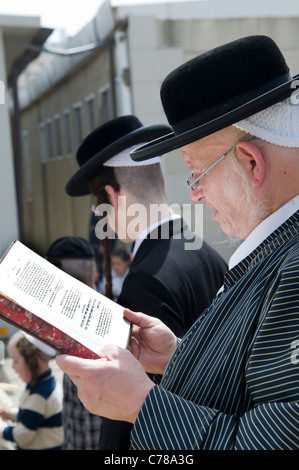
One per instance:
[(191, 182)]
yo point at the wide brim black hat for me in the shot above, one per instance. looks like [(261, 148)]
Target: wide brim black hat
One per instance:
[(219, 88), (104, 143)]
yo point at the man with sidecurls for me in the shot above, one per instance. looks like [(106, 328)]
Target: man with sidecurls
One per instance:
[(161, 280)]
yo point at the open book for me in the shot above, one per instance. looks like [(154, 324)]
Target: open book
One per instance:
[(45, 302)]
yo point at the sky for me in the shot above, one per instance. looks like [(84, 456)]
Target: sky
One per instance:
[(60, 14), (57, 14)]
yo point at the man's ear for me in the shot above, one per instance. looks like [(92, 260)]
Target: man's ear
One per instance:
[(113, 195), (253, 160)]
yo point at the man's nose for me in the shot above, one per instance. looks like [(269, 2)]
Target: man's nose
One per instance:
[(196, 194)]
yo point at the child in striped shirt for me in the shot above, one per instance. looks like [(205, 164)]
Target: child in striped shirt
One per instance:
[(39, 419)]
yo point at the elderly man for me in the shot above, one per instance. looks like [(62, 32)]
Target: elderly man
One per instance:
[(232, 381)]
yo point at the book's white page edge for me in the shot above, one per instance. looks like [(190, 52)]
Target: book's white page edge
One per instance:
[(18, 255)]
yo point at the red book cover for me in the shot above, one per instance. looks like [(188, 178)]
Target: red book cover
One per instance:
[(29, 323)]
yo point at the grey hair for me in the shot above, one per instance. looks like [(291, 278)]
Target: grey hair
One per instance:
[(237, 167), (259, 209)]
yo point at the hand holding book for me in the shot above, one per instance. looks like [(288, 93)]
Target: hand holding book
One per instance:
[(116, 385)]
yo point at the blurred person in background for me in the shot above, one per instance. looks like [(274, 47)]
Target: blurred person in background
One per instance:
[(38, 422), (120, 264)]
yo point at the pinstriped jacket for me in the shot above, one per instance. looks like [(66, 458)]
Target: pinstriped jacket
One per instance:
[(233, 381)]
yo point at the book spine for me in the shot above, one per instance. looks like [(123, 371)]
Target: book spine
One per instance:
[(29, 323)]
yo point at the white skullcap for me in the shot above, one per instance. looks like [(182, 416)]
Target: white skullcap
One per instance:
[(278, 124), (40, 345), (123, 159)]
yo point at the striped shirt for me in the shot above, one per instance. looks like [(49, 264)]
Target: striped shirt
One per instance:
[(233, 381), (39, 420)]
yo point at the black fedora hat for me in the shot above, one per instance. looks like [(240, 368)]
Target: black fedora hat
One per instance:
[(217, 89), (104, 143)]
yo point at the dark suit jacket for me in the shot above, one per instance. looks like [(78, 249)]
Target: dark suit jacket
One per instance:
[(171, 282)]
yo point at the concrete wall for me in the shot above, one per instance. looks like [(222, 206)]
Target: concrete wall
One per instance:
[(49, 213), (9, 230)]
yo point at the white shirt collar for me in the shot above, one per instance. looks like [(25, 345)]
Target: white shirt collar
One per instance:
[(263, 230), (142, 235)]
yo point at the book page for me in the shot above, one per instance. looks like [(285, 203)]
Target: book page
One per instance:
[(51, 294)]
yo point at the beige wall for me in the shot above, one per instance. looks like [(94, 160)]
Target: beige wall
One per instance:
[(49, 212), (9, 230)]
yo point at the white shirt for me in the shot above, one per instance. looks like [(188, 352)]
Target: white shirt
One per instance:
[(142, 235), (263, 230)]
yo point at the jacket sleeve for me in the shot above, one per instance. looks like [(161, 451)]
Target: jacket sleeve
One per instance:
[(167, 421)]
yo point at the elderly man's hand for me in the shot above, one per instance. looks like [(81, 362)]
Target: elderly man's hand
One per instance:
[(114, 386), (151, 342)]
